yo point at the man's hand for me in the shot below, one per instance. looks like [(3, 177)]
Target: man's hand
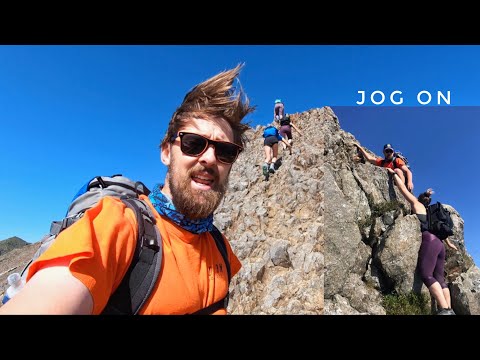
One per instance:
[(390, 171), (410, 186)]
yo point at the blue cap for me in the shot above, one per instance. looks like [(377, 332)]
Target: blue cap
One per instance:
[(278, 101)]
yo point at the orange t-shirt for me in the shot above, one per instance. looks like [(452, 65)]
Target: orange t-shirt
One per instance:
[(389, 164), (100, 247)]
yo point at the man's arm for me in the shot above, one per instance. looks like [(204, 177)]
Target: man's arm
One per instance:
[(371, 159), (409, 175), (51, 291)]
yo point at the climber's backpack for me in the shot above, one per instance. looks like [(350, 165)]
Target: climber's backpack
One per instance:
[(270, 131), (145, 267), (285, 121), (396, 155), (440, 222)]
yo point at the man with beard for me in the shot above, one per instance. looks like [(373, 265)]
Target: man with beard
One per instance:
[(79, 272)]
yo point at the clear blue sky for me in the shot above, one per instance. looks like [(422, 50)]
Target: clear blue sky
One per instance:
[(72, 112)]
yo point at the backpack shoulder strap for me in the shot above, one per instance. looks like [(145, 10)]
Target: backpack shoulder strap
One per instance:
[(144, 269), (394, 161), (222, 247)]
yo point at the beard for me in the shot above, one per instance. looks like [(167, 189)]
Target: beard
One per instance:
[(195, 204)]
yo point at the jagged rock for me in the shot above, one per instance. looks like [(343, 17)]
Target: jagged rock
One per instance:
[(371, 242), (465, 292), (276, 226)]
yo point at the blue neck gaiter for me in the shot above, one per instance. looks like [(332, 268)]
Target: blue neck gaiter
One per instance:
[(165, 207)]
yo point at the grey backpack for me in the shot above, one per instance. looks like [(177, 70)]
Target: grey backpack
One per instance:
[(144, 269)]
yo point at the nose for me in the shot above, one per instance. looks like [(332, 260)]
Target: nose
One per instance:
[(208, 157)]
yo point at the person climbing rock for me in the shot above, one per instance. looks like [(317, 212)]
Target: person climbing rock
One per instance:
[(270, 145)]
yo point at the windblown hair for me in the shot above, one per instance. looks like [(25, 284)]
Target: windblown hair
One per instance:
[(215, 97), (425, 198)]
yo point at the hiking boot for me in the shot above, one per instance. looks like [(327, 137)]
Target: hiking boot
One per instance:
[(446, 311), (277, 164), (272, 168), (265, 169)]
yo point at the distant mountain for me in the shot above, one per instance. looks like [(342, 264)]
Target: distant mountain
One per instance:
[(10, 244), (18, 253)]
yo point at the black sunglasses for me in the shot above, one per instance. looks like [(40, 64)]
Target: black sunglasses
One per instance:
[(388, 151), (195, 145)]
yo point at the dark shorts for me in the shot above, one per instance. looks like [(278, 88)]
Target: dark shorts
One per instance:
[(286, 131), (270, 140)]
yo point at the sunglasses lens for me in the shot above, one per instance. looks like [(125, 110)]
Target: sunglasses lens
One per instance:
[(193, 144), (226, 152)]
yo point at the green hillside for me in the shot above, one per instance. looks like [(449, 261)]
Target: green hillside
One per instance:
[(10, 244)]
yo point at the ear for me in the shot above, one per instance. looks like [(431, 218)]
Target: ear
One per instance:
[(165, 154)]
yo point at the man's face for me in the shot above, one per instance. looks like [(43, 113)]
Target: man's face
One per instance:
[(388, 154), (197, 184)]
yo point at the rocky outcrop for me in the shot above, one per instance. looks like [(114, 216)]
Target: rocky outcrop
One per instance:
[(371, 240), (276, 226)]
